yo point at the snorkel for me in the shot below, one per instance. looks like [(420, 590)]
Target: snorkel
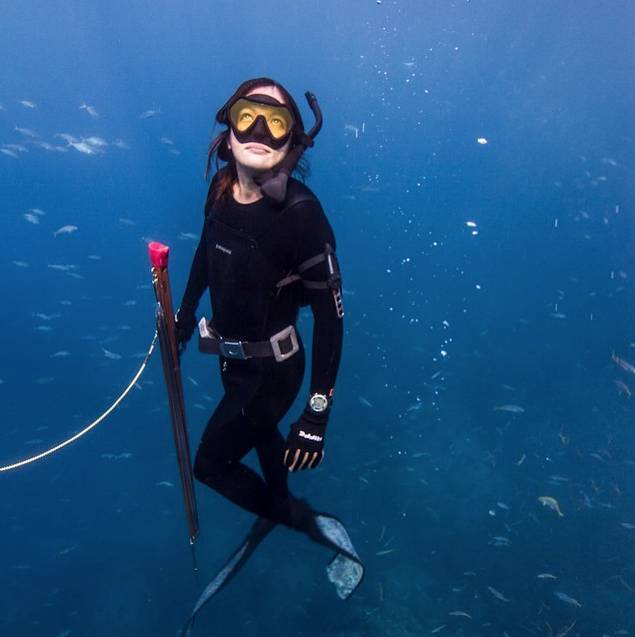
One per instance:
[(273, 183)]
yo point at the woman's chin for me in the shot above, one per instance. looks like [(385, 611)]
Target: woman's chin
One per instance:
[(257, 165)]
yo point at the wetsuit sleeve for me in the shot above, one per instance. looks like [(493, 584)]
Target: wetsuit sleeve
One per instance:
[(197, 280), (328, 330)]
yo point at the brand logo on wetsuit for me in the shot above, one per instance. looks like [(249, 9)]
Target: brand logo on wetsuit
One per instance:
[(304, 434), (223, 248)]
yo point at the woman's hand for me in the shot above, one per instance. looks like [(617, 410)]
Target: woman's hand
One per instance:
[(184, 326), (305, 442)]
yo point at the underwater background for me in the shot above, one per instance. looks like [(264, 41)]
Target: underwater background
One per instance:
[(476, 163)]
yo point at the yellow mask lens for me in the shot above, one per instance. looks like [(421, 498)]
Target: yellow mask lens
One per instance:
[(244, 113)]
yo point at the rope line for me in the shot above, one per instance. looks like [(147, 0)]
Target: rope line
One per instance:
[(93, 424)]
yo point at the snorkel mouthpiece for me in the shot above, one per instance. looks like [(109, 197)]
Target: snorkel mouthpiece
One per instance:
[(273, 183)]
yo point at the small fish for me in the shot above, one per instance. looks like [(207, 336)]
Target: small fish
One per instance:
[(481, 140), (386, 552), (365, 402), (628, 525), (499, 540), (28, 103), (16, 147), (125, 454), (65, 230), (460, 613), (50, 147), (193, 381), (512, 409), (20, 264), (120, 143), (96, 141), (502, 505), (167, 140), (164, 483), (497, 594), (46, 317), (89, 109), (27, 132), (622, 388), (149, 113), (521, 460), (625, 365), (438, 629), (61, 354), (188, 235), (8, 153), (83, 147), (546, 576), (552, 503), (67, 550), (110, 355), (567, 599), (31, 218)]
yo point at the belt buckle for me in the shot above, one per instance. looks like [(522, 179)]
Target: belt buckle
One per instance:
[(232, 349), (287, 332)]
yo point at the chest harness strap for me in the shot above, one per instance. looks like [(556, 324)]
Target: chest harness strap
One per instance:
[(333, 281)]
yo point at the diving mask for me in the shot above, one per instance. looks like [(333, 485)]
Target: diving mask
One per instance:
[(261, 118)]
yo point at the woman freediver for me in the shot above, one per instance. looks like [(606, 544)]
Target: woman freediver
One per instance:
[(266, 249)]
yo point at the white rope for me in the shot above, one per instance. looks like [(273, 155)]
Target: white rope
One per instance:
[(93, 424)]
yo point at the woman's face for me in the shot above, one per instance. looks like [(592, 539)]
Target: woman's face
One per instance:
[(254, 156)]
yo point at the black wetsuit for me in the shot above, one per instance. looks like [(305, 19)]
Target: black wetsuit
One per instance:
[(243, 251)]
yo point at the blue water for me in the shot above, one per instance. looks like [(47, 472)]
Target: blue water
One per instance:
[(444, 321)]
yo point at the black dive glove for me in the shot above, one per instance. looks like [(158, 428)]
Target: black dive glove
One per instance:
[(184, 326), (305, 442)]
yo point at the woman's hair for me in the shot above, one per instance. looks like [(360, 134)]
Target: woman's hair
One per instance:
[(225, 176)]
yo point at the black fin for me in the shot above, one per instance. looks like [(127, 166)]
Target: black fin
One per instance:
[(257, 534)]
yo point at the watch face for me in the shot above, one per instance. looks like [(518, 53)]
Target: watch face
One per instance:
[(318, 402)]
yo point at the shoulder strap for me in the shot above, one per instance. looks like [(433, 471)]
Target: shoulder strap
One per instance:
[(295, 198)]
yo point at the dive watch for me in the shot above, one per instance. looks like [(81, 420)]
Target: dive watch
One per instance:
[(318, 403)]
